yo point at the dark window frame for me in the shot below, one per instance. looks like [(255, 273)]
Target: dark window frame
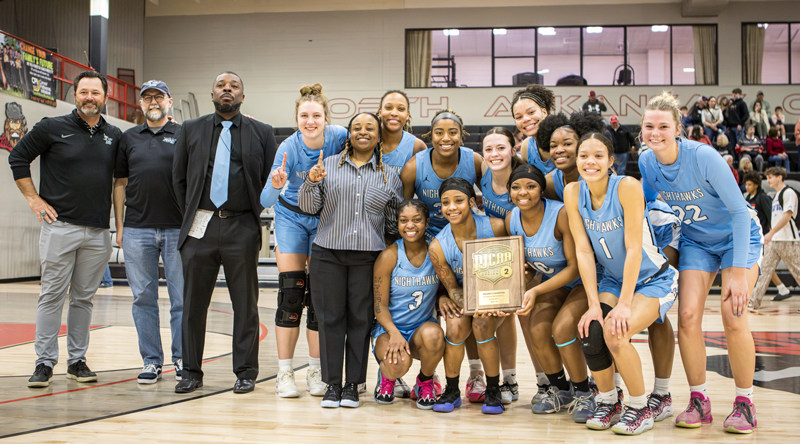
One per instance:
[(790, 27)]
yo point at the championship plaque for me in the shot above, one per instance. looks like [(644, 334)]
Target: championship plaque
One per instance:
[(494, 274)]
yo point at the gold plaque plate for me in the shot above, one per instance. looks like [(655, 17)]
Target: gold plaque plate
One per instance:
[(494, 274)]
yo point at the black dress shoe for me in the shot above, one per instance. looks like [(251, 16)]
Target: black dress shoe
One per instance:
[(187, 385), (244, 386)]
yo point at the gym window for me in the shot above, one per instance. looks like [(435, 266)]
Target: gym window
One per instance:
[(562, 56), (770, 53)]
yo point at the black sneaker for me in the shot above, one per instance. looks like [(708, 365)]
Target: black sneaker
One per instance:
[(782, 297), (333, 396), (350, 396), (493, 404), (41, 376), (80, 372), (450, 399)]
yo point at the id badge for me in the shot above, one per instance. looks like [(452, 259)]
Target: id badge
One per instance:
[(201, 220)]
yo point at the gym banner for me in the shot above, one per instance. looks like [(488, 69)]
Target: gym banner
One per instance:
[(26, 71)]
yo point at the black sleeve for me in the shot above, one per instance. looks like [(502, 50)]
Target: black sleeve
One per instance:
[(32, 145), (179, 165), (603, 107), (121, 163), (766, 208), (271, 146)]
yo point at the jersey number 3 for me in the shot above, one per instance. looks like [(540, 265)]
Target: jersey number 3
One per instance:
[(417, 295)]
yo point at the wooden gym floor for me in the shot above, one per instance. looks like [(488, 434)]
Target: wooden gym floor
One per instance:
[(117, 409)]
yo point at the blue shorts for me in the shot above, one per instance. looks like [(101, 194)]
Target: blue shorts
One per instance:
[(711, 256), (294, 233), (377, 330), (664, 287)]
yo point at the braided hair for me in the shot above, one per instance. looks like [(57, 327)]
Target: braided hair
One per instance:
[(407, 125), (348, 147), (581, 122), (460, 122), (542, 96)]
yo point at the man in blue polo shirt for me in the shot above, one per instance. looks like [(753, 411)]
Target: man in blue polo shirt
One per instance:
[(145, 199)]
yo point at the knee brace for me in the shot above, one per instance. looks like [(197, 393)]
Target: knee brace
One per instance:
[(291, 294), (598, 357), (311, 315)]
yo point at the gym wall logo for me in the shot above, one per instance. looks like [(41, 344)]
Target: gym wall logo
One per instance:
[(15, 126), (493, 263)]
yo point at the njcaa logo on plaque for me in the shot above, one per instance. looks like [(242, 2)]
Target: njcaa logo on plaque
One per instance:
[(493, 263)]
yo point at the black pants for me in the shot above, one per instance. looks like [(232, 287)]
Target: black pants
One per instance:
[(234, 244), (341, 290)]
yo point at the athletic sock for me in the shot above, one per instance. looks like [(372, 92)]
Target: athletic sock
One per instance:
[(284, 365), (541, 378), (617, 380), (313, 363), (661, 386), (582, 386), (452, 382), (559, 380), (699, 388), (510, 376), (746, 392), (783, 290), (609, 397), (474, 367), (637, 402), (422, 377), (492, 381)]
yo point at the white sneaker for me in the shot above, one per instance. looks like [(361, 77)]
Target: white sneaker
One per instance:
[(314, 384), (401, 389), (362, 388), (285, 386)]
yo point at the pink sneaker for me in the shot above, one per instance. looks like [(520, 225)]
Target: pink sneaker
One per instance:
[(476, 388), (697, 413), (437, 386), (743, 417), (425, 394), (385, 391)]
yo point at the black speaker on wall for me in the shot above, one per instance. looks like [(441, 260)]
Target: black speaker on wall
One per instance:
[(527, 78)]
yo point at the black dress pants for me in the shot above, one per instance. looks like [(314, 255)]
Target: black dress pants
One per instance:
[(341, 291), (233, 243)]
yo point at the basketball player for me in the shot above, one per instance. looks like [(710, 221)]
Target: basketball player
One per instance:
[(530, 105), (637, 286), (399, 145), (294, 234), (719, 230)]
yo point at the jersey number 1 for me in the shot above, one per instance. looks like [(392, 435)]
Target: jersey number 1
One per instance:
[(605, 247)]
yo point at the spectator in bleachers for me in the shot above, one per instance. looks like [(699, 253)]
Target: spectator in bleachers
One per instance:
[(760, 119), (686, 120), (745, 166), (729, 160), (738, 114), (698, 136), (712, 120), (764, 104), (623, 144), (775, 151), (797, 133), (724, 146), (519, 136), (724, 104), (776, 121), (697, 111), (750, 147), (595, 105)]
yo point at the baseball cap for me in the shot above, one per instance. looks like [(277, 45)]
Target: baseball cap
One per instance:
[(591, 93), (705, 98), (613, 119), (760, 93), (157, 85)]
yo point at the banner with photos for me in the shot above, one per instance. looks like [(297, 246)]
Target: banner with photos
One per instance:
[(26, 71)]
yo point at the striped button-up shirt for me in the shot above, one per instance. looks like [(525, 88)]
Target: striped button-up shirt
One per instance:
[(357, 207)]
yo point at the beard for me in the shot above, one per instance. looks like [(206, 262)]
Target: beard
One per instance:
[(156, 114), (85, 110), (225, 108)]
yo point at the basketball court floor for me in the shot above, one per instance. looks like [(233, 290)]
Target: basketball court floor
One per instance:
[(116, 409)]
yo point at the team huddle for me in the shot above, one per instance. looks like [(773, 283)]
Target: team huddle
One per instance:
[(606, 257)]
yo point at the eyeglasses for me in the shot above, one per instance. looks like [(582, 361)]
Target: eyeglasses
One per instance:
[(159, 98)]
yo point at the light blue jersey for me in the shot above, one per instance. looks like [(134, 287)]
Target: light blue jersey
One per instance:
[(606, 230), (300, 159), (666, 225), (427, 184), (452, 253), (702, 192), (412, 296), (535, 158), (495, 205), (558, 183), (402, 154), (542, 250)]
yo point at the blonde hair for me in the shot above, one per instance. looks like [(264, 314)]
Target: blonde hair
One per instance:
[(665, 102), (722, 140), (311, 93)]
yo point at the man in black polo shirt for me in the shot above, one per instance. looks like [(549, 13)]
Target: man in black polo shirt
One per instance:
[(74, 205), (152, 225), (623, 144)]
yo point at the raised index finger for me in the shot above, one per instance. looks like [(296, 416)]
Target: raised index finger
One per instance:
[(284, 161), (321, 155)]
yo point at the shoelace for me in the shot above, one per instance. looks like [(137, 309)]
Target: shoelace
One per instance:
[(81, 366), (552, 395), (426, 390), (387, 386), (633, 416), (603, 411), (742, 409), (580, 402), (477, 384), (286, 377), (696, 404), (656, 402), (150, 368), (450, 394)]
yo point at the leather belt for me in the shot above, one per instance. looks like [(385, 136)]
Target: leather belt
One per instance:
[(224, 214)]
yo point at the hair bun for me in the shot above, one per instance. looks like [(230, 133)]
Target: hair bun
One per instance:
[(315, 89)]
